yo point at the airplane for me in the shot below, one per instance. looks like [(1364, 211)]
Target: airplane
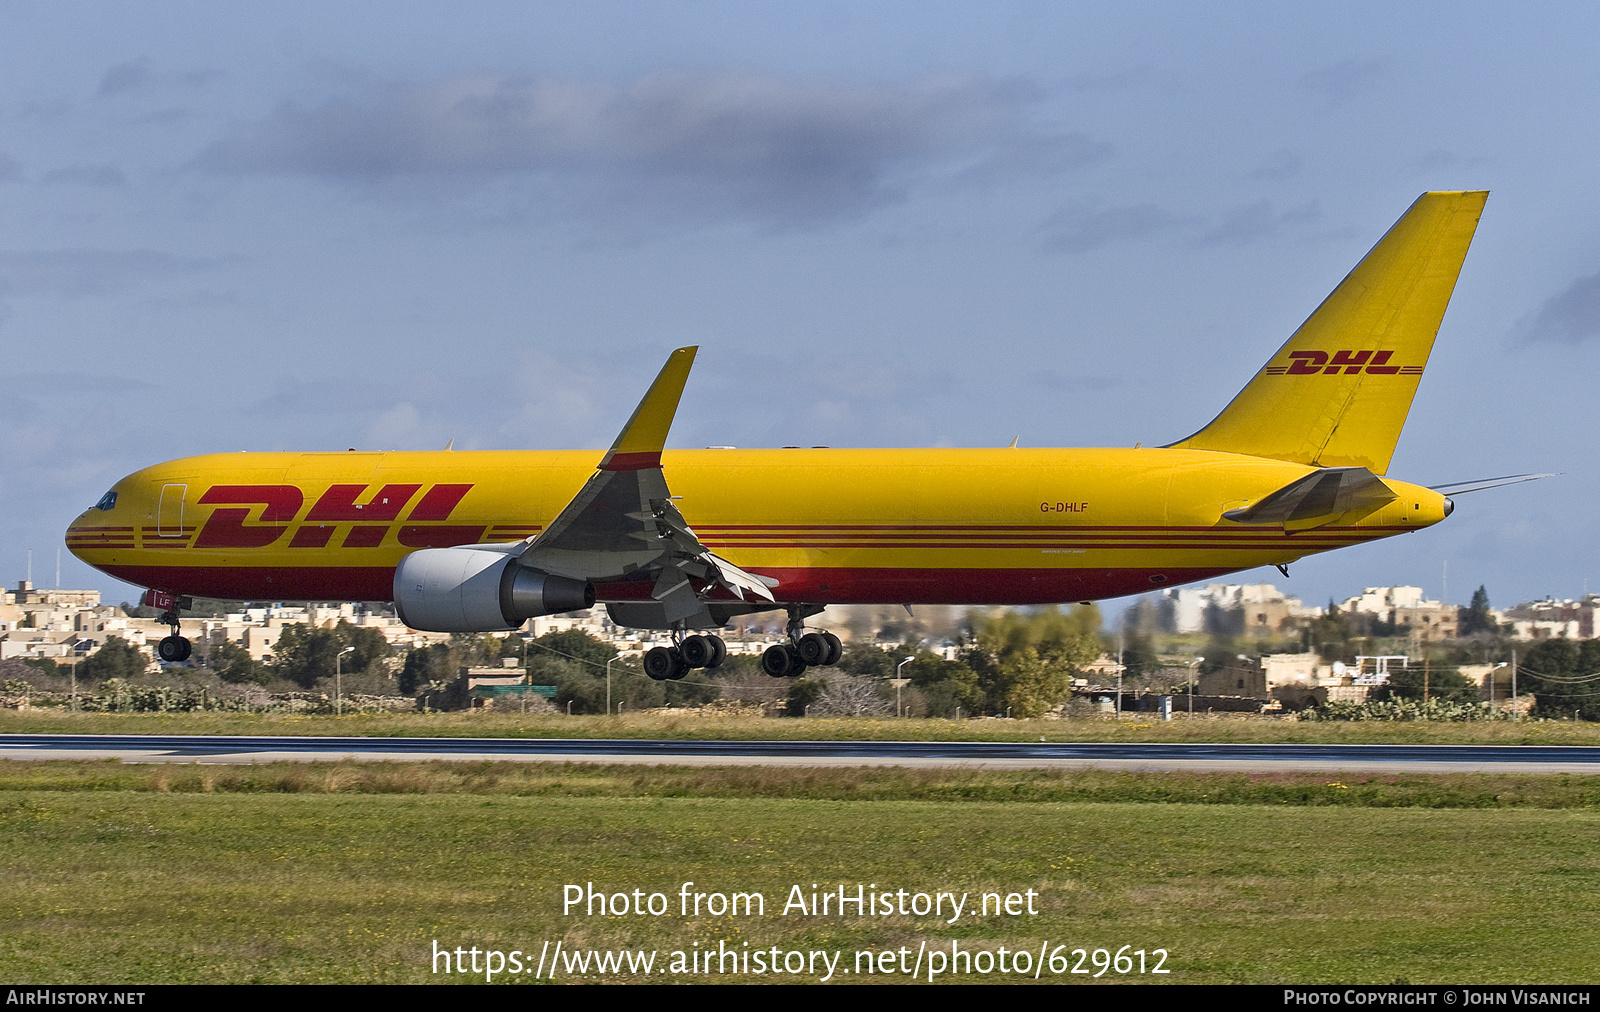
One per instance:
[(684, 540)]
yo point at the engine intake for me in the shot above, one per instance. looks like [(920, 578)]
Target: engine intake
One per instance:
[(479, 590)]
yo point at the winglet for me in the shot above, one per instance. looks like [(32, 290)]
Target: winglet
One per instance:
[(639, 444)]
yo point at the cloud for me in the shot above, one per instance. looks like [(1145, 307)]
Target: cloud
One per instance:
[(1244, 224), (131, 76), (74, 272), (1110, 81), (1050, 379), (1571, 317), (292, 396), (1038, 155), (1078, 231), (725, 142), (1343, 81), (136, 76), (74, 382), (1440, 160), (1282, 165), (87, 175)]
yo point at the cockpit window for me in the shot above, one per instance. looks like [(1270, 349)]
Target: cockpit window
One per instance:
[(107, 501)]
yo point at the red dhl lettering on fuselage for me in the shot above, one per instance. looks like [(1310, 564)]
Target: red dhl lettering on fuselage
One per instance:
[(1317, 363), (230, 524)]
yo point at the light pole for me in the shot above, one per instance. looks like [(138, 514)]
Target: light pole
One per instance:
[(608, 683), (1492, 670), (1197, 660), (898, 682), (338, 684)]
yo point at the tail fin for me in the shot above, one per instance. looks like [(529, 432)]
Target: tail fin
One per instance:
[(1337, 393)]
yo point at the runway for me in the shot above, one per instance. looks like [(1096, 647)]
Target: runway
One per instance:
[(1207, 757)]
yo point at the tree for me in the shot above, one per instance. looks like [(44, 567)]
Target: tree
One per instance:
[(1026, 661), (424, 665), (1436, 681), (868, 661), (573, 644), (851, 697), (1139, 658), (1564, 677), (802, 693), (233, 663), (306, 654), (116, 659), (1475, 617)]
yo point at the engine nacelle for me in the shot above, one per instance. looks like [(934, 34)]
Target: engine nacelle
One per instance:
[(479, 590)]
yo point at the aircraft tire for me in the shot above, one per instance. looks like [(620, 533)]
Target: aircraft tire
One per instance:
[(835, 649), (697, 651), (661, 663), (781, 661), (814, 650), (720, 651), (172, 649)]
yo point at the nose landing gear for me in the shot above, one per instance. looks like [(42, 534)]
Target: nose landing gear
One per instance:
[(173, 649)]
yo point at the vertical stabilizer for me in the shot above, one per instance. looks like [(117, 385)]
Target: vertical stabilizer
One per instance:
[(1337, 393)]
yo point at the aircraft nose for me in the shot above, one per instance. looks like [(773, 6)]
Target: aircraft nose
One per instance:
[(1449, 505), (98, 528)]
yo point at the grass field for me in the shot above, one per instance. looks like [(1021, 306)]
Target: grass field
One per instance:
[(667, 725), (347, 873)]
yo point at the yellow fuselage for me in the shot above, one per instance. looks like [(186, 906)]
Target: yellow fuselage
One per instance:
[(957, 526)]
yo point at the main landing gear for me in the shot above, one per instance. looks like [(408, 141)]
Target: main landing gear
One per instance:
[(804, 649), (686, 654)]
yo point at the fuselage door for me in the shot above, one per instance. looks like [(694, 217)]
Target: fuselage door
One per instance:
[(169, 513)]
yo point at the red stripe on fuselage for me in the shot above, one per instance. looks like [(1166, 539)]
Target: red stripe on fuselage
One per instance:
[(833, 586)]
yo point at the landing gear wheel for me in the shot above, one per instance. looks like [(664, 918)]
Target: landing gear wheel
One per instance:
[(782, 661), (173, 649), (697, 651), (662, 663), (835, 649), (721, 653), (814, 649)]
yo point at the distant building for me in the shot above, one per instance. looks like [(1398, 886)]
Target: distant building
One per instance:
[(1258, 611), (1295, 680), (1405, 607), (27, 593), (1552, 619)]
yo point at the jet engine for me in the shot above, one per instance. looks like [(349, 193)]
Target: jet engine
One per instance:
[(479, 590)]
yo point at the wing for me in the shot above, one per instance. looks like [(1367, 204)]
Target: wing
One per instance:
[(623, 523)]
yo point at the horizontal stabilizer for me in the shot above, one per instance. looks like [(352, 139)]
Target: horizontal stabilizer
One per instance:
[(1317, 499), (1479, 484)]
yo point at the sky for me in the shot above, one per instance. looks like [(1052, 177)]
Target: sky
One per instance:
[(390, 225)]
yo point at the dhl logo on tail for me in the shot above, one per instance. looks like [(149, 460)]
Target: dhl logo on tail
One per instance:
[(1313, 363)]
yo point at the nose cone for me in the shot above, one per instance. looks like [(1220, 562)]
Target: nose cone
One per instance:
[(1449, 506), (103, 529)]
